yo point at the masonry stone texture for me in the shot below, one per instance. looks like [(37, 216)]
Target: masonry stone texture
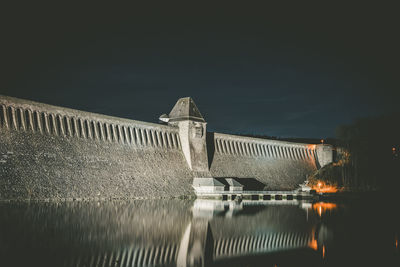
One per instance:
[(49, 152)]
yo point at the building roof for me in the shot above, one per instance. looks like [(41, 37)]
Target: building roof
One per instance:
[(185, 109)]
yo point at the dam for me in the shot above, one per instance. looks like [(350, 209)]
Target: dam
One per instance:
[(55, 153)]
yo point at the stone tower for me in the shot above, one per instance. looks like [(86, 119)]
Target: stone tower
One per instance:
[(192, 133)]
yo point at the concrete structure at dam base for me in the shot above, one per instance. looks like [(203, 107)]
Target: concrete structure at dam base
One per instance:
[(49, 152)]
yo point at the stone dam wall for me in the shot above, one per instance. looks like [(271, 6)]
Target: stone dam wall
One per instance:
[(277, 165), (49, 152)]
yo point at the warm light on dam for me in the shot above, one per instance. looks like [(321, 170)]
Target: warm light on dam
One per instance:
[(322, 187)]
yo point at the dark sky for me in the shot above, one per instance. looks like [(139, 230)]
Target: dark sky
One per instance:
[(289, 71)]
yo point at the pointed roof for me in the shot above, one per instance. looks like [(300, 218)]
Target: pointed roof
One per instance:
[(185, 109)]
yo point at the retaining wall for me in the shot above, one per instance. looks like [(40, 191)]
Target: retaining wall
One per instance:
[(52, 152), (278, 165), (60, 153)]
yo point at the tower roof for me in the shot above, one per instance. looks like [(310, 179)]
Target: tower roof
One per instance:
[(185, 109)]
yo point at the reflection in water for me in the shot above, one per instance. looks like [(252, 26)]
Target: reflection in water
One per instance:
[(322, 207), (313, 243), (165, 233)]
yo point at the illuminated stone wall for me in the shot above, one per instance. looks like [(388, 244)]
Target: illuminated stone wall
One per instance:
[(278, 165), (52, 152), (59, 153)]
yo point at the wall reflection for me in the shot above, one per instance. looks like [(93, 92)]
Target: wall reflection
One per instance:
[(157, 233)]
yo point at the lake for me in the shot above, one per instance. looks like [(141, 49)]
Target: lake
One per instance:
[(361, 231)]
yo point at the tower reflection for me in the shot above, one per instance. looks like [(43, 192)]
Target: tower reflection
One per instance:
[(157, 233)]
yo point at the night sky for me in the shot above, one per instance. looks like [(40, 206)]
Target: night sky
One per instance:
[(289, 71)]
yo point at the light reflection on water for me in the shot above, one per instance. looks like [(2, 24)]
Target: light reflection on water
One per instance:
[(183, 233), (323, 207)]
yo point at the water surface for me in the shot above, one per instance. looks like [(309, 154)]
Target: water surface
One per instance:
[(198, 232)]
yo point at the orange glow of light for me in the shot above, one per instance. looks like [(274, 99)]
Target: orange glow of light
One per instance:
[(313, 244), (322, 141), (323, 252), (322, 207), (397, 243), (324, 188), (393, 148)]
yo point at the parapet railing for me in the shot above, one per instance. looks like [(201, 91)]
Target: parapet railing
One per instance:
[(28, 116), (256, 147)]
